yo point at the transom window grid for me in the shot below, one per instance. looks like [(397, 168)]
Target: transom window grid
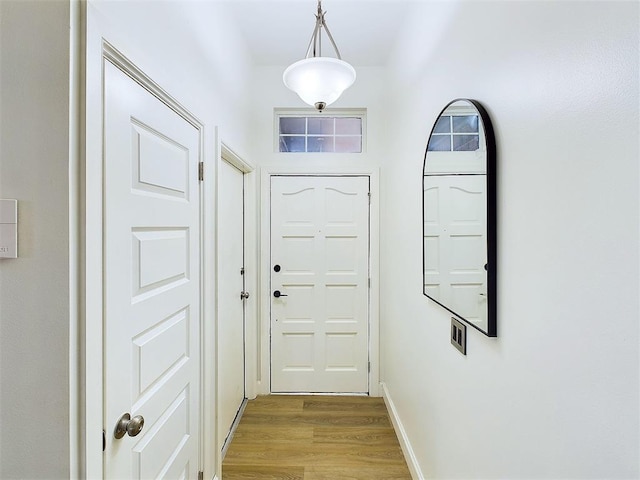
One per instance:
[(455, 133), (320, 134)]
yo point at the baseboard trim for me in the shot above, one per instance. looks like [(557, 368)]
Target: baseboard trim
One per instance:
[(234, 426), (409, 455)]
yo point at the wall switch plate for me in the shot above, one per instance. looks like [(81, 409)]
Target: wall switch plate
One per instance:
[(459, 335), (8, 229)]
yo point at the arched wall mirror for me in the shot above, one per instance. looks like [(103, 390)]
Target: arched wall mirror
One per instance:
[(459, 215)]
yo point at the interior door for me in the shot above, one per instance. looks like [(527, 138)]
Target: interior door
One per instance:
[(319, 284), (151, 284), (231, 295), (455, 242)]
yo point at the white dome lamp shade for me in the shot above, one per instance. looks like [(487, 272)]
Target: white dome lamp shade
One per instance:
[(319, 81)]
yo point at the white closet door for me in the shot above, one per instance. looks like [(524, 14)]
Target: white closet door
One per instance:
[(151, 284)]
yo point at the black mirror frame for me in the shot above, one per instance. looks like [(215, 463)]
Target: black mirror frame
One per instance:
[(492, 219)]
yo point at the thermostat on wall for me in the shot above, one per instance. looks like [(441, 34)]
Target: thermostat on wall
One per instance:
[(8, 229)]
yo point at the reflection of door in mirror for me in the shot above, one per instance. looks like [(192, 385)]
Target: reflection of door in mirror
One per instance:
[(455, 239), (459, 214)]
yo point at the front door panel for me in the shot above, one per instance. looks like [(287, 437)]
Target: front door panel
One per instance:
[(320, 267)]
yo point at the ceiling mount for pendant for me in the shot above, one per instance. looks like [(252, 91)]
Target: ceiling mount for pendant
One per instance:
[(318, 80)]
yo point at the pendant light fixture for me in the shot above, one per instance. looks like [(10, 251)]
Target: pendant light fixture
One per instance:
[(319, 81)]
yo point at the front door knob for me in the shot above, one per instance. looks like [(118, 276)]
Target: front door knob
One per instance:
[(130, 426), (277, 294)]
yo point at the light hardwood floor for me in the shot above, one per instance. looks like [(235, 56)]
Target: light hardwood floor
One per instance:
[(315, 438)]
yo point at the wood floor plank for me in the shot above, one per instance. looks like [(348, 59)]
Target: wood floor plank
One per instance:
[(315, 438), (241, 472), (355, 435), (314, 454), (316, 419), (252, 434), (345, 404), (359, 473), (288, 403)]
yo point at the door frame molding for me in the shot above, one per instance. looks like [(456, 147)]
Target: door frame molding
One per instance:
[(251, 263), (91, 352), (263, 382), (228, 155)]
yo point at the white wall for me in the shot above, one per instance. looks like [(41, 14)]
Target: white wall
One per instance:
[(556, 394), (34, 288)]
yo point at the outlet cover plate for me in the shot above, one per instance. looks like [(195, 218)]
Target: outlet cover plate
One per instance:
[(459, 335)]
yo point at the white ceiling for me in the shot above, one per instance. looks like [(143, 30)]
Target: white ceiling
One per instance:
[(277, 32)]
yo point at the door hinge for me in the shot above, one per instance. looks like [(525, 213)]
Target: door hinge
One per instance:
[(369, 367), (242, 271), (369, 198), (200, 475), (369, 281), (104, 440), (201, 171)]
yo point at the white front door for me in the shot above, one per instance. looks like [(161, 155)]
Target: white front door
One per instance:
[(152, 283), (230, 303), (320, 270), (455, 243)]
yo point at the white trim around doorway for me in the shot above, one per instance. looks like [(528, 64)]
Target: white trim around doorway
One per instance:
[(262, 381), (251, 263)]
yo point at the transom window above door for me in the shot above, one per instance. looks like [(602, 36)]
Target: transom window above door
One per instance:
[(320, 133)]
